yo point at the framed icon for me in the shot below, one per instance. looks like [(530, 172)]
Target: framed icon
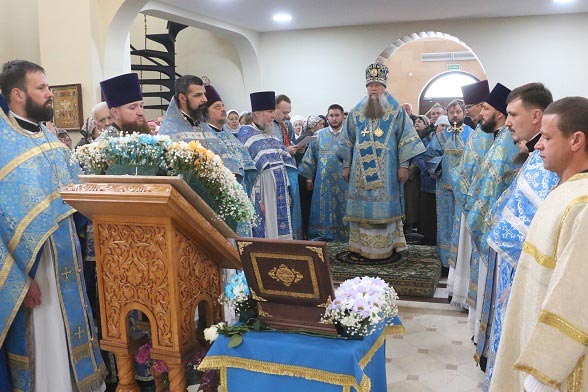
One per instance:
[(67, 104)]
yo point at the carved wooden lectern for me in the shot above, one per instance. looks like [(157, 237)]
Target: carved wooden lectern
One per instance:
[(159, 250)]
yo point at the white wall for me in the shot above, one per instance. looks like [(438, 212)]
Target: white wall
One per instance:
[(319, 67), (19, 31), (198, 52), (203, 53)]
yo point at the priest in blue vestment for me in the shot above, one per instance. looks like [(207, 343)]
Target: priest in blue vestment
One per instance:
[(46, 325), (275, 190), (376, 146), (444, 154), (514, 212), (495, 174), (461, 178), (216, 118), (323, 172), (183, 122)]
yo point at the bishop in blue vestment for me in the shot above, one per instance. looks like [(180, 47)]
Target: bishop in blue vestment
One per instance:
[(375, 146)]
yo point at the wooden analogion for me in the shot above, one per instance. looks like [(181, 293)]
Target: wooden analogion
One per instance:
[(159, 250)]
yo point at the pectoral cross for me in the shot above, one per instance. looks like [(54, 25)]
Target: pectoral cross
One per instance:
[(66, 273), (79, 333), (365, 132)]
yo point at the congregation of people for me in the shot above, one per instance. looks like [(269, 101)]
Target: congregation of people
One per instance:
[(497, 181)]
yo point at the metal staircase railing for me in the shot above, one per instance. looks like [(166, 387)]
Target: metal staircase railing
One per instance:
[(162, 62)]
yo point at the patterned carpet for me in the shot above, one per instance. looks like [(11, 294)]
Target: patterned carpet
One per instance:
[(416, 274)]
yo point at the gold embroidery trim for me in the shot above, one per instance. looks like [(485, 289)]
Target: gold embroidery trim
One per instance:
[(572, 204), (29, 217), (314, 294), (564, 326), (224, 361), (285, 275), (22, 226), (388, 330), (579, 176), (19, 362), (538, 375), (8, 266), (14, 163), (540, 258), (82, 352), (318, 251), (243, 245), (223, 379), (576, 377), (93, 381)]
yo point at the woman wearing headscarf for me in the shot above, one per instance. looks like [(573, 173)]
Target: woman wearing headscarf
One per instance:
[(232, 124)]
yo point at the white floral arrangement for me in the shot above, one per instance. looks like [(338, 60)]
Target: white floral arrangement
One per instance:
[(173, 158), (133, 149), (232, 201), (362, 305)]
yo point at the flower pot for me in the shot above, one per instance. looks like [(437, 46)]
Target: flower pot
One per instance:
[(194, 182), (134, 170), (198, 187), (245, 315), (345, 332)]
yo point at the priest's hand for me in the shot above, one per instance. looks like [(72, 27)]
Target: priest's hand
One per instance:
[(345, 174), (292, 149), (33, 297), (309, 185), (403, 174)]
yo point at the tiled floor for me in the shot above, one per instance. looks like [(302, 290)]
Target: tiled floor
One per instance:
[(435, 354)]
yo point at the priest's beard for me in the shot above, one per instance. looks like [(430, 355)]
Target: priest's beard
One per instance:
[(489, 126), (265, 128), (135, 126), (37, 112), (197, 113), (373, 108)]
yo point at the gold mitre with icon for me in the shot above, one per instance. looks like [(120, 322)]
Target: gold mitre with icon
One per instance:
[(377, 73)]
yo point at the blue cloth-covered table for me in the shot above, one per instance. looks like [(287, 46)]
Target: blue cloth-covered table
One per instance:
[(276, 361)]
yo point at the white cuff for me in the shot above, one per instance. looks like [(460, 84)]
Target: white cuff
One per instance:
[(534, 385)]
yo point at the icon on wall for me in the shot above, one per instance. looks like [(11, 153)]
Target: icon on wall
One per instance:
[(67, 104)]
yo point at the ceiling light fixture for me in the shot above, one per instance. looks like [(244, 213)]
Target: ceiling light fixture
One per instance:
[(563, 1), (282, 18)]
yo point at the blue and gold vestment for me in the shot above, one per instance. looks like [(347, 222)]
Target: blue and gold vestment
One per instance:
[(512, 217), (33, 167), (448, 145), (327, 210), (374, 150)]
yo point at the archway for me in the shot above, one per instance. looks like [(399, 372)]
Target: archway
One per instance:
[(416, 59), (444, 88), (117, 37)]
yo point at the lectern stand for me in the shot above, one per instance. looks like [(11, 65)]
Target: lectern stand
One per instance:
[(159, 250)]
